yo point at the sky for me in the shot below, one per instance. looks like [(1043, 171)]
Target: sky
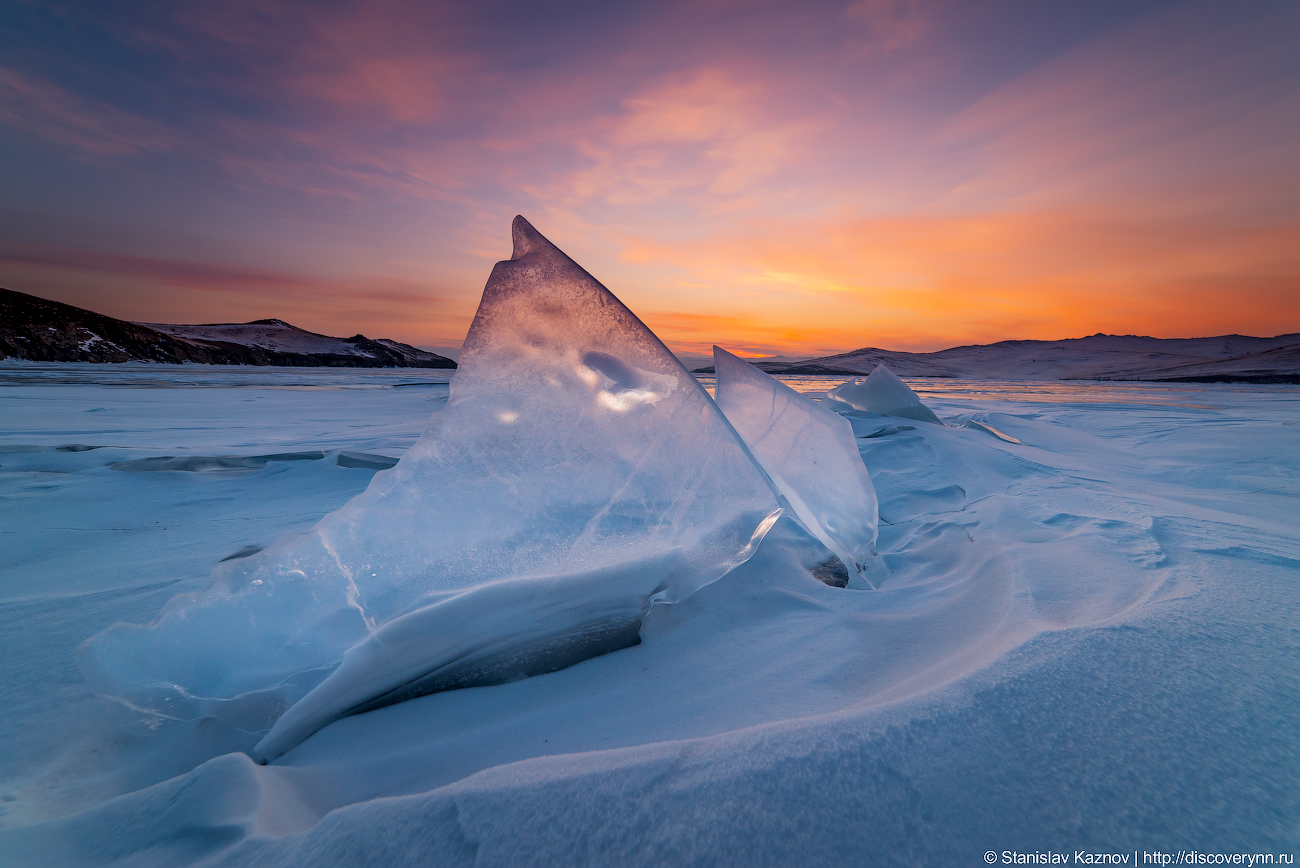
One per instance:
[(780, 178)]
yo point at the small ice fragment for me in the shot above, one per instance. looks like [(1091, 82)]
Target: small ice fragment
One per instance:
[(810, 454), (365, 461), (884, 393), (208, 463)]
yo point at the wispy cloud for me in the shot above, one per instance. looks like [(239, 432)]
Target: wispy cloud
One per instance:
[(788, 178), (892, 25), (1183, 105), (85, 126)]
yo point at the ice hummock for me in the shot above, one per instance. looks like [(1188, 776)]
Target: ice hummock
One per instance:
[(810, 454), (882, 392), (577, 476)]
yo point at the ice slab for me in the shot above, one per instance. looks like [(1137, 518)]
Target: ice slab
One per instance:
[(364, 460), (810, 454), (208, 463), (491, 634), (883, 393), (577, 475)]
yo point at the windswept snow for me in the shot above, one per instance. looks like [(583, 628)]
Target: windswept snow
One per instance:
[(768, 719)]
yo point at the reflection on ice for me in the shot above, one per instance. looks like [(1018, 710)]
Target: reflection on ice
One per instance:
[(622, 387)]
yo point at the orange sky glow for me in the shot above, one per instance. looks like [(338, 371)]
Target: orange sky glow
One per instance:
[(779, 179)]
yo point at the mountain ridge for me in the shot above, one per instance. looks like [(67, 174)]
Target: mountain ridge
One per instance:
[(41, 330), (1222, 358)]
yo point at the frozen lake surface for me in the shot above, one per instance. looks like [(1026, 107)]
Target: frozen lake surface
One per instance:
[(1087, 640)]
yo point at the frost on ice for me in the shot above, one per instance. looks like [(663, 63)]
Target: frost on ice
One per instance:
[(577, 476), (810, 454), (883, 393)]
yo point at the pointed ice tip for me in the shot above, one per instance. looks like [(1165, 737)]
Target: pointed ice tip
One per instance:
[(525, 237)]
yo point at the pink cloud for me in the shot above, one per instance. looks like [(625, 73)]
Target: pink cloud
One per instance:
[(388, 62), (892, 25), (781, 185)]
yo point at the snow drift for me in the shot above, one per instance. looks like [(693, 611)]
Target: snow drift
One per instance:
[(577, 476)]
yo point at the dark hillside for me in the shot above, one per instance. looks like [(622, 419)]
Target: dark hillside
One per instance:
[(49, 331)]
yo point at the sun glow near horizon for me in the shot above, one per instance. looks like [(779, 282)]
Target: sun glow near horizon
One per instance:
[(785, 181)]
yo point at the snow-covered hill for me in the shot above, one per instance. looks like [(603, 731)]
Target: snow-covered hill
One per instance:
[(48, 331), (268, 334), (1226, 358), (279, 337)]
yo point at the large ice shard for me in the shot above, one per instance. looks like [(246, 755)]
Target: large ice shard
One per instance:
[(884, 393), (577, 475), (810, 454)]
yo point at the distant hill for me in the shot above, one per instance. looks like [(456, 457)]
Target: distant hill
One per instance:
[(48, 331), (1223, 359)]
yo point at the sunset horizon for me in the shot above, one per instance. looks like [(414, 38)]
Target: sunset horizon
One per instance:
[(798, 182), (704, 349), (820, 434)]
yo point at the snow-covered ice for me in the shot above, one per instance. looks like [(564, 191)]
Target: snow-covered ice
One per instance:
[(1084, 641), (882, 392), (809, 452)]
